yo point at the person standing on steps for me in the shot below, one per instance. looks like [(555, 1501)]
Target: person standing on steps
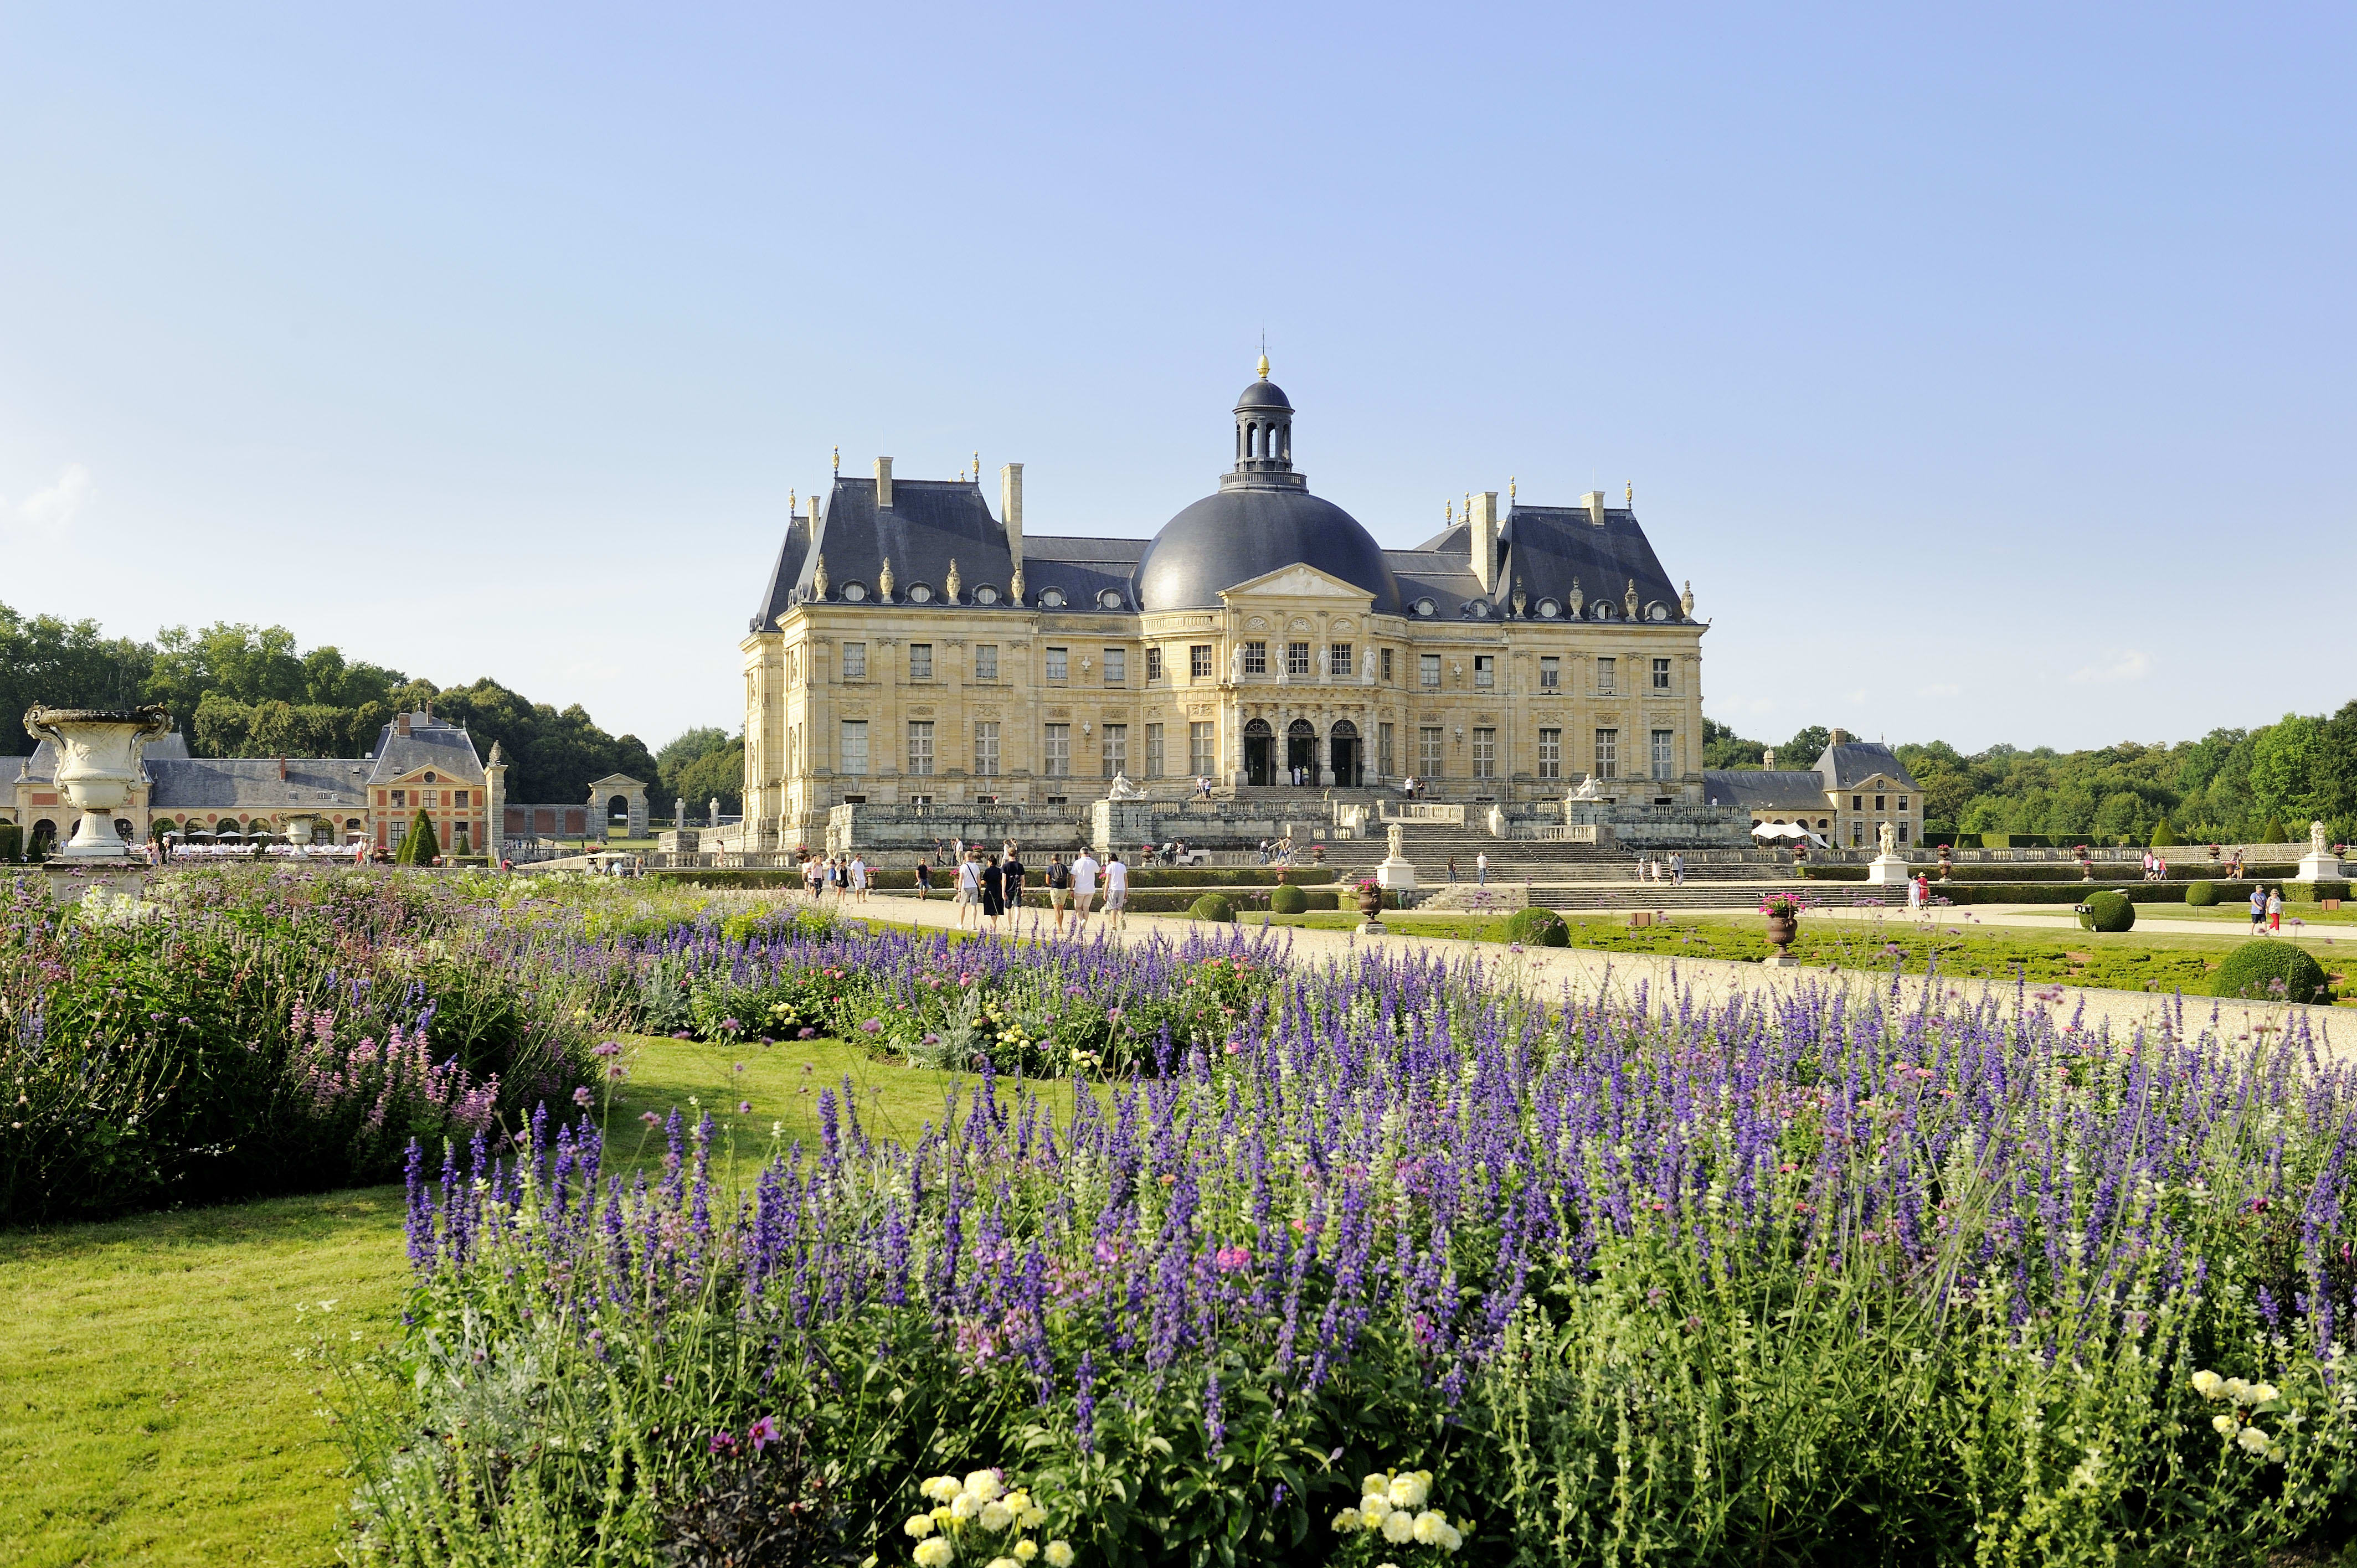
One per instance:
[(1678, 868), (1481, 869), (1452, 868)]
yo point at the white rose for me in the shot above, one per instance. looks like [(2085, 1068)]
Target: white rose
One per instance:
[(983, 1484), (1429, 1527)]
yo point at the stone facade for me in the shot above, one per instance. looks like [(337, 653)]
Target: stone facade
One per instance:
[(914, 651), (1853, 790)]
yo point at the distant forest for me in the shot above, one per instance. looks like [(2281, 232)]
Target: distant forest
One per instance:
[(2263, 785), (243, 691)]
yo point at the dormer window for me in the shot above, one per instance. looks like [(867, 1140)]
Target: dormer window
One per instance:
[(1602, 611), (919, 594), (1549, 610), (1426, 608), (986, 595), (854, 591), (1477, 609), (1110, 599), (1051, 598), (1657, 612)]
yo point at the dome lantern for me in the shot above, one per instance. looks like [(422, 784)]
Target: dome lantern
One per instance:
[(1263, 428)]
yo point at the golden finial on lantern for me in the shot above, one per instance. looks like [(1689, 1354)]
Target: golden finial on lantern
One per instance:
[(1263, 366), (838, 459)]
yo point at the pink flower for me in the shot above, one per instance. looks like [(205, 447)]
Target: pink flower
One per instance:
[(1230, 1259), (762, 1433)]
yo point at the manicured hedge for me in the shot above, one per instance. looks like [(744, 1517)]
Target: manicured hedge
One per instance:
[(12, 843), (1538, 927), (1288, 899), (2253, 968), (1213, 907), (2108, 910), (2201, 895)]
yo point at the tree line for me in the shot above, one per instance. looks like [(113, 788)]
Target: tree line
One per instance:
[(245, 690), (2263, 785)]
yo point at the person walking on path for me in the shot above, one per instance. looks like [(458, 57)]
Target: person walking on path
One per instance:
[(994, 892), (969, 890), (2258, 907), (1116, 906), (2275, 911), (1678, 868), (924, 882), (1481, 869), (1084, 888), (1011, 874), (858, 879), (1060, 894)]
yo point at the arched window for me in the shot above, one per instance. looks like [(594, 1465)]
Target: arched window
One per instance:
[(1252, 440)]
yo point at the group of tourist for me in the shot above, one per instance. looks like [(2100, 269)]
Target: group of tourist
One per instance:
[(847, 878), (991, 883), (1653, 868), (2266, 909)]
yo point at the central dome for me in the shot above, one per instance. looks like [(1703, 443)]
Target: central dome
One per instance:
[(1263, 519)]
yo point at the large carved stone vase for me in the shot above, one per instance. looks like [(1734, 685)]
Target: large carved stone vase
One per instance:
[(97, 766)]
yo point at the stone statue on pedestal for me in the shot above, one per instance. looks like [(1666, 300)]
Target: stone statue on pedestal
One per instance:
[(1398, 842), (1122, 788), (679, 812), (716, 810), (1236, 663), (1321, 661), (2315, 839), (1889, 836)]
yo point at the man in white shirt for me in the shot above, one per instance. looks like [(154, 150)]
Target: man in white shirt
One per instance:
[(1117, 877), (1084, 886), (1481, 869), (858, 879)]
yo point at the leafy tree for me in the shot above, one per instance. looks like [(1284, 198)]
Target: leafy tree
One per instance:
[(692, 745), (66, 664), (420, 847), (1722, 747), (1803, 749), (719, 772)]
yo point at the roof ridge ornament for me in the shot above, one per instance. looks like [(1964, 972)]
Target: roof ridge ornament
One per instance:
[(884, 581), (1264, 362)]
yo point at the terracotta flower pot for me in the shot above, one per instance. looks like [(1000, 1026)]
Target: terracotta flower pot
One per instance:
[(1782, 929), (1371, 902)]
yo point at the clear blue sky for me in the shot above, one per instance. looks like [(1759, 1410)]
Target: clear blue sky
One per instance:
[(1989, 374)]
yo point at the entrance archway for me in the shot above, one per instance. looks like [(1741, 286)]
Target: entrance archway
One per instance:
[(1301, 749), (1259, 742), (1343, 747), (45, 839)]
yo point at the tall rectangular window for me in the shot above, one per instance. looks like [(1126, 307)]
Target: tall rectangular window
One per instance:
[(1154, 751), (1198, 662), (1154, 663), (1387, 666), (855, 746), (1255, 658), (920, 748), (1116, 749), (1383, 742), (1550, 673), (1485, 670), (1296, 659), (1608, 753), (1057, 660), (921, 661), (1665, 742), (1058, 761), (1485, 754), (1429, 671), (1661, 675), (855, 661), (1607, 671), (1428, 751), (985, 661), (1550, 754), (986, 748), (1200, 760), (1117, 666), (1338, 655)]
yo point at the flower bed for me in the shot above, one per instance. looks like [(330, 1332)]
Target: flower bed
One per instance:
[(1808, 1280)]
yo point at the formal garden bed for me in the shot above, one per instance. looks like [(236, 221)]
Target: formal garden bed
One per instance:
[(1380, 1258)]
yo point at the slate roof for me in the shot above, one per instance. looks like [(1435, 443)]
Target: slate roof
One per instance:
[(1446, 580), (1546, 549), (930, 523), (1764, 790), (1847, 766), (430, 743), (215, 783)]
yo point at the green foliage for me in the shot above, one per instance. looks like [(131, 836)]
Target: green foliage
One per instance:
[(1212, 906), (12, 843), (66, 664), (2108, 910), (1288, 899), (419, 847), (1538, 927), (2163, 835), (2201, 895), (718, 772), (2271, 971), (1723, 748), (2274, 831)]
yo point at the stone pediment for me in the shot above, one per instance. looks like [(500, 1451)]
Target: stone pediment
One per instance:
[(1298, 582)]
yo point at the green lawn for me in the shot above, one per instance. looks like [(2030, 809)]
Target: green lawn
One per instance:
[(152, 1406)]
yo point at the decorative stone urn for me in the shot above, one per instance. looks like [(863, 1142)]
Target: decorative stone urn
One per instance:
[(298, 830), (1371, 911), (97, 766)]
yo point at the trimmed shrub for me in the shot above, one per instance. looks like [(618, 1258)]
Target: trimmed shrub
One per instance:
[(2200, 895), (1288, 899), (2275, 831), (2163, 835), (1538, 929), (2271, 972), (420, 847), (12, 843), (2107, 911), (1212, 906)]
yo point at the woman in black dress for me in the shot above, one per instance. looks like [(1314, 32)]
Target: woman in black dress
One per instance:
[(994, 892)]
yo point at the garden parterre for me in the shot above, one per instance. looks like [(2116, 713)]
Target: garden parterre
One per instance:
[(1784, 1280)]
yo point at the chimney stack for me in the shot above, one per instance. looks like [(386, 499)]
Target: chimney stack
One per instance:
[(1482, 512), (883, 481), (281, 770), (401, 726), (1010, 508), (1837, 738), (1594, 502)]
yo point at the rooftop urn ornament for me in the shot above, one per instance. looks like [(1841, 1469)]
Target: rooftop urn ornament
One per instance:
[(1263, 366), (884, 582), (818, 578), (1629, 599), (1014, 584), (1521, 598), (1510, 492), (1578, 599), (97, 766), (951, 581), (1686, 600)]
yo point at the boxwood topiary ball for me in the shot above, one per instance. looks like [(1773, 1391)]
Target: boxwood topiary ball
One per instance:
[(1288, 899), (2108, 911), (1212, 906), (2271, 972), (2202, 894), (1538, 929)]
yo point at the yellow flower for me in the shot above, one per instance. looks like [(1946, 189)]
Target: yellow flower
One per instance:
[(1449, 1539), (1032, 1517), (1376, 1484), (1399, 1526), (2208, 1383), (2252, 1440), (941, 1488), (1025, 1550), (1409, 1491), (935, 1553), (1059, 1554), (996, 1517), (1371, 1508), (1428, 1528), (1347, 1519), (1002, 1562), (919, 1525), (2224, 1424), (2263, 1392), (965, 1505), (983, 1484)]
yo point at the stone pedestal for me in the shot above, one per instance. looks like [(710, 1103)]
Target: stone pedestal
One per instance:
[(1780, 960), (70, 881), (1888, 871), (1395, 875), (2320, 865), (1373, 929)]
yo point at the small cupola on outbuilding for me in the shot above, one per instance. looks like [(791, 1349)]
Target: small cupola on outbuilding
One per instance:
[(1263, 428)]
